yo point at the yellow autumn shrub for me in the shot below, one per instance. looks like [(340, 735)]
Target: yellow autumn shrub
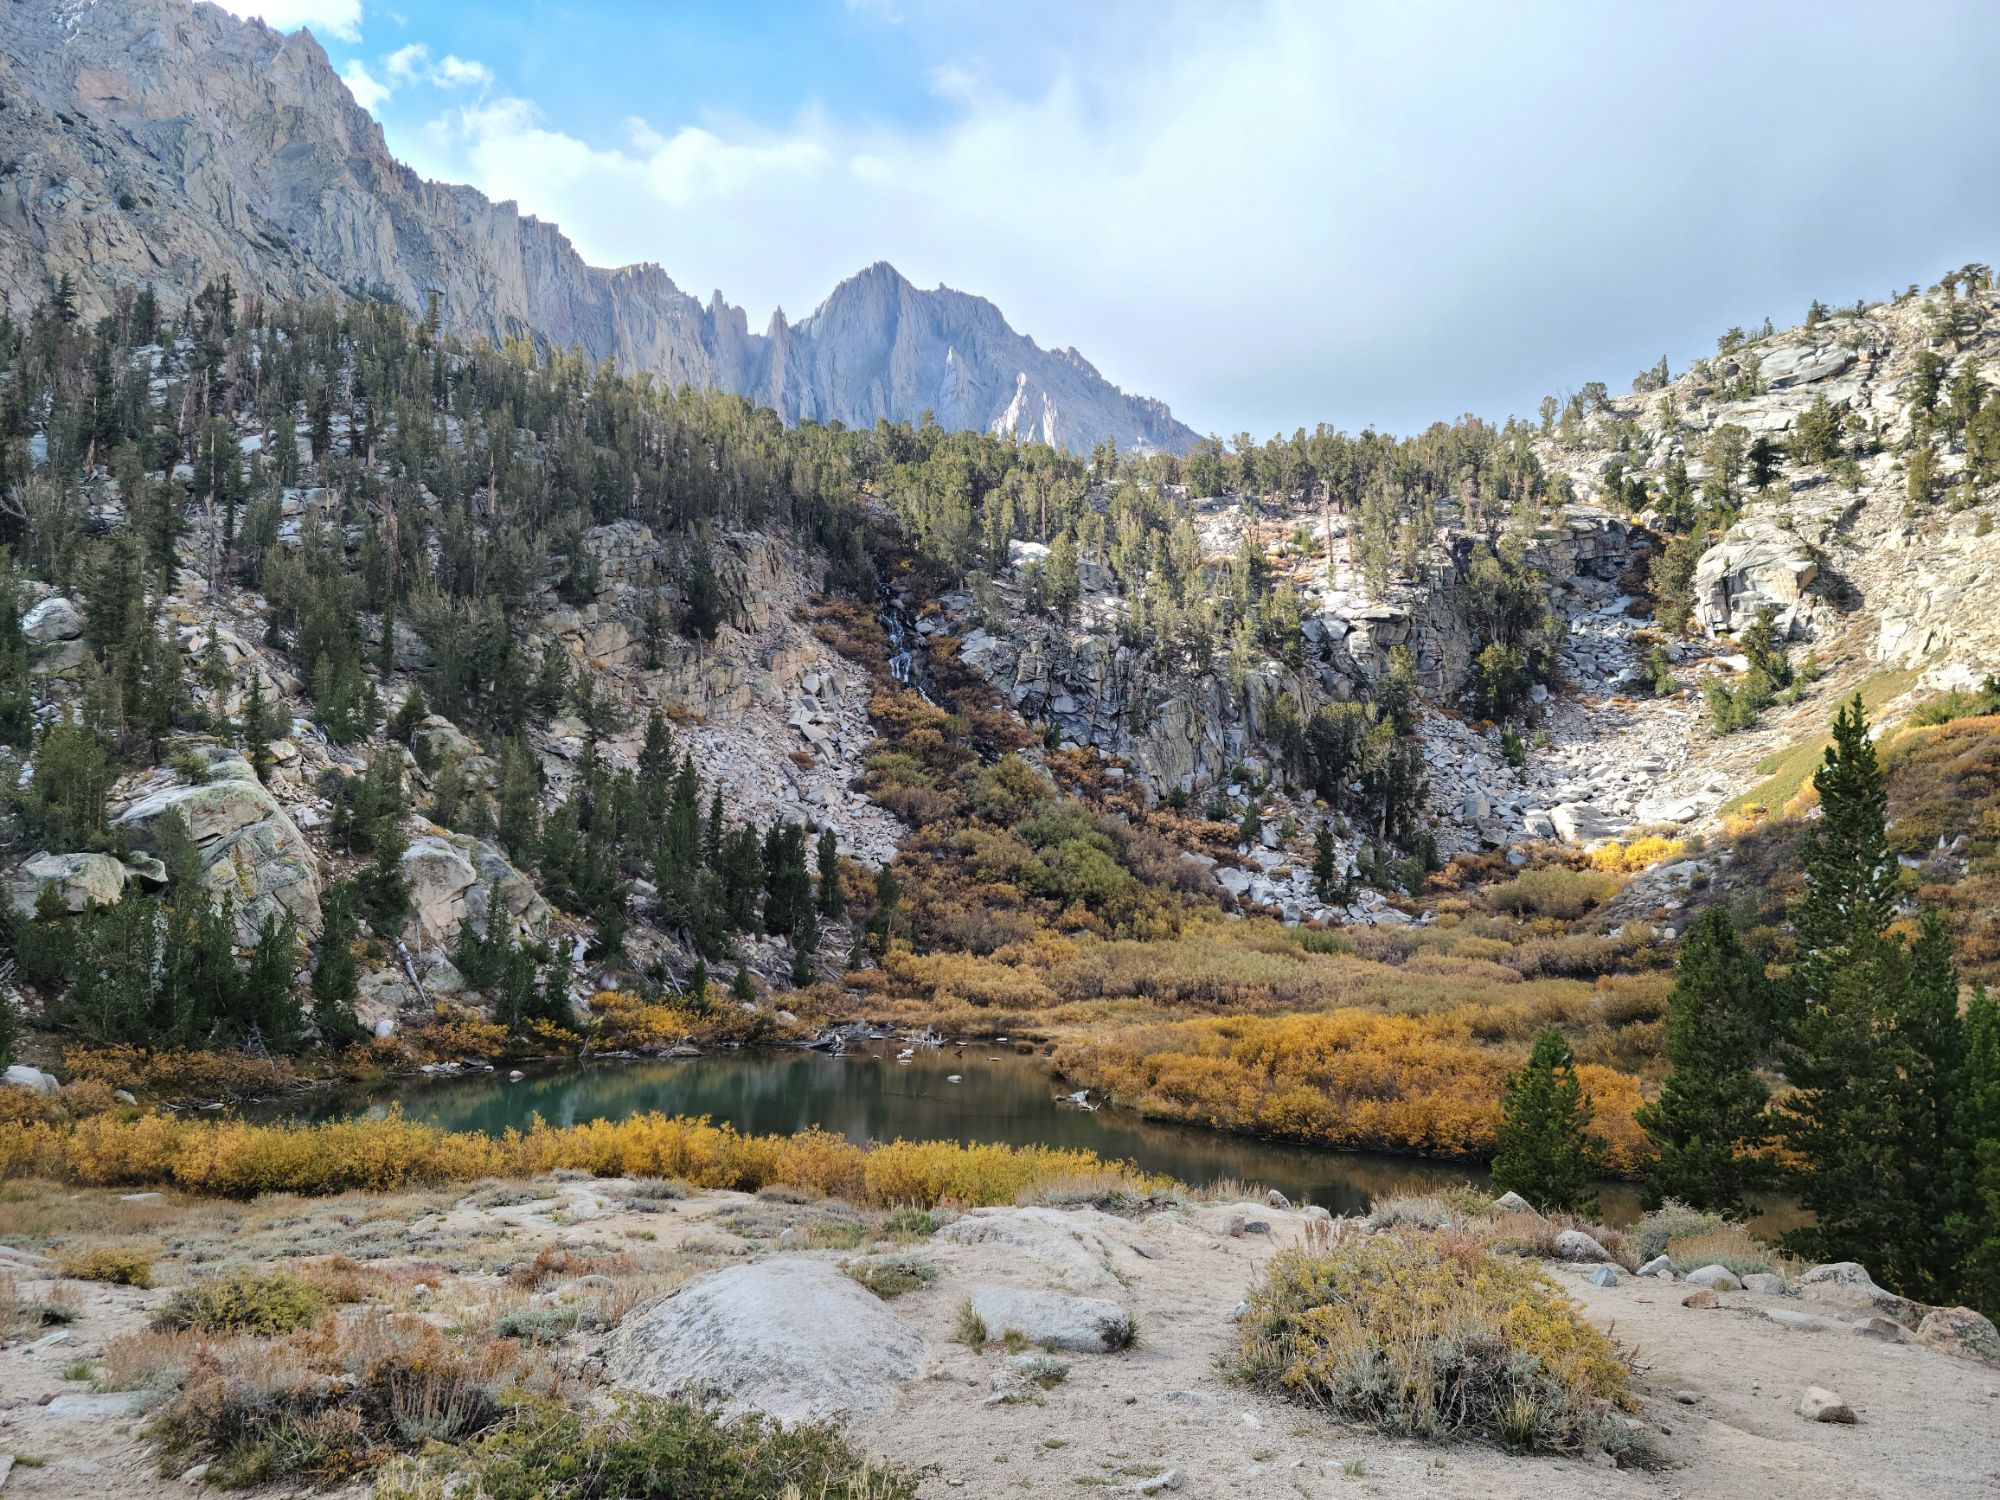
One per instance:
[(235, 1159), (1430, 1335)]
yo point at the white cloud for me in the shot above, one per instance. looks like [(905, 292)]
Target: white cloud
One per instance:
[(1277, 214), (367, 90), (454, 72), (407, 64), (335, 18)]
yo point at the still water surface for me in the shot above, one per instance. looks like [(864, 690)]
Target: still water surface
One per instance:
[(868, 1095)]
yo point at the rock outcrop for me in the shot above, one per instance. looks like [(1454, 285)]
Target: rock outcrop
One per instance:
[(156, 142), (454, 877), (790, 1337), (1757, 565), (250, 849), (80, 880)]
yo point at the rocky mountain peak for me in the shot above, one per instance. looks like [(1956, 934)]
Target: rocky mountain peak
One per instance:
[(157, 142)]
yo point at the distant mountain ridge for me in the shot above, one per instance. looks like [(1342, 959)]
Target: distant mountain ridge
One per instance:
[(158, 141)]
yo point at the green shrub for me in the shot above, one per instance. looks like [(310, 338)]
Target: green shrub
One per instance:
[(1415, 1334), (892, 1275), (535, 1325), (244, 1302), (651, 1447), (1562, 894), (116, 1264), (1672, 1220)]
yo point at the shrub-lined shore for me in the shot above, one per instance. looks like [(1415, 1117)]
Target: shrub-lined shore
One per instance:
[(235, 1159)]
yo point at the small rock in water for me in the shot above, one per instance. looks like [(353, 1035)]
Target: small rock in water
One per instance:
[(1818, 1404)]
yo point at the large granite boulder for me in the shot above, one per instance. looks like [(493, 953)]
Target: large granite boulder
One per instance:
[(1585, 823), (453, 877), (250, 849), (81, 880), (1756, 564), (54, 619), (790, 1337), (1053, 1320)]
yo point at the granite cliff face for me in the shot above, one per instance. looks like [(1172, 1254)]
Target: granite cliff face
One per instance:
[(150, 141)]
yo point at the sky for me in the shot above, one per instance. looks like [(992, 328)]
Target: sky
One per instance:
[(1266, 213)]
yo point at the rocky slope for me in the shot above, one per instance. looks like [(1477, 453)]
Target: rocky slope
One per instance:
[(1863, 583), (154, 142)]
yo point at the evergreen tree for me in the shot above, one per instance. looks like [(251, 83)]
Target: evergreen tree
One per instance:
[(805, 943), (1709, 1116), (740, 988), (255, 729), (335, 980), (1546, 1153), (832, 901), (1326, 873), (888, 898), (1976, 1223), (63, 805)]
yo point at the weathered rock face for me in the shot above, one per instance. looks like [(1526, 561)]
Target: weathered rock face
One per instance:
[(454, 877), (250, 849), (1185, 728), (791, 1337), (81, 880), (1757, 564), (158, 142)]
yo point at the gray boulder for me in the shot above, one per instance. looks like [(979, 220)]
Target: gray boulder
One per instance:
[(1054, 1320), (1961, 1331), (1574, 1244), (1659, 1265), (790, 1337), (81, 880), (1715, 1279), (21, 1076), (250, 849), (453, 876), (1065, 1247), (1848, 1283), (54, 619), (1817, 1404), (1513, 1203), (1585, 823)]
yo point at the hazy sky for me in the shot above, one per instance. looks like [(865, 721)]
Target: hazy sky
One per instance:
[(1268, 215)]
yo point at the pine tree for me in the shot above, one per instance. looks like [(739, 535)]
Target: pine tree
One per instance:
[(805, 943), (740, 988), (1326, 873), (832, 901), (335, 981), (1850, 878), (1709, 1116), (1976, 1224), (1546, 1153), (256, 727)]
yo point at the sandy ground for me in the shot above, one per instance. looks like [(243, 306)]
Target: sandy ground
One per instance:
[(1929, 1422)]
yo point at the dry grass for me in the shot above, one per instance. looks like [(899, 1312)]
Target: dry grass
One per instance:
[(1433, 1336)]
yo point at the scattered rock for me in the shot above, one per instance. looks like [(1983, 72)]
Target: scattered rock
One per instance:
[(1703, 1298), (1715, 1279), (1574, 1244), (1960, 1330), (1766, 1282), (1054, 1320), (1818, 1404), (1513, 1203), (1686, 1398), (1659, 1265), (1068, 1245), (791, 1337), (1848, 1283), (1602, 1276), (1277, 1199), (21, 1076)]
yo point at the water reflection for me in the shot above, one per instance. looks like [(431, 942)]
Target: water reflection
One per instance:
[(868, 1095)]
